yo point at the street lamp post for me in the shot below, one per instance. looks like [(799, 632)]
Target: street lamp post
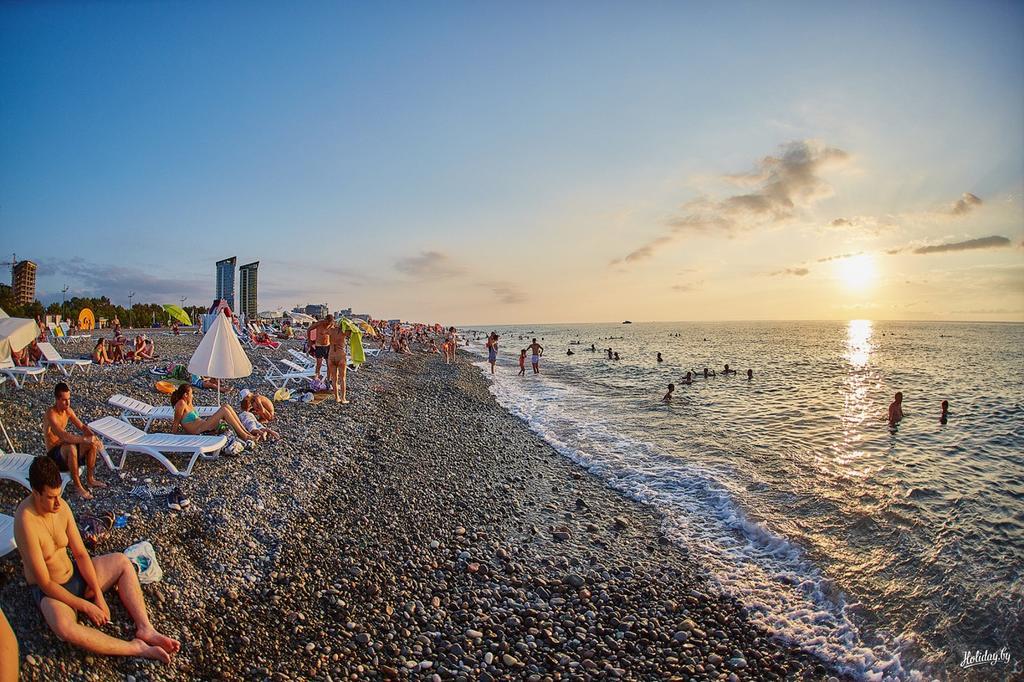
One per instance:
[(130, 297)]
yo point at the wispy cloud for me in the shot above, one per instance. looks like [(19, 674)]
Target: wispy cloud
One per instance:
[(993, 242), (85, 278), (506, 292), (429, 265), (685, 287), (965, 204), (841, 256), (796, 272), (780, 187)]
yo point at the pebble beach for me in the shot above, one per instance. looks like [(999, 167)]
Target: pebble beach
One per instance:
[(420, 532)]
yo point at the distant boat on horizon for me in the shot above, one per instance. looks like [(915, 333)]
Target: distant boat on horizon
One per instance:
[(627, 322)]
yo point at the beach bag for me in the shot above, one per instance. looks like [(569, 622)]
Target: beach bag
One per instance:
[(317, 385), (143, 557), (282, 394), (94, 529)]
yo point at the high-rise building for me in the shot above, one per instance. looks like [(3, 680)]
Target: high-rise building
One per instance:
[(226, 280), (247, 289), (23, 281)]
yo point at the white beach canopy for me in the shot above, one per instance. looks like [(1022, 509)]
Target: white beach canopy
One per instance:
[(3, 314), (15, 334), (219, 354), (301, 318)]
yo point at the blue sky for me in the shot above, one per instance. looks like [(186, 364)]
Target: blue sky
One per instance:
[(478, 162)]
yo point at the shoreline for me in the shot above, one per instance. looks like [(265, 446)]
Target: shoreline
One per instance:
[(391, 538)]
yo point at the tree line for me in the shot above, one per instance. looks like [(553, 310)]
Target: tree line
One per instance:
[(140, 315)]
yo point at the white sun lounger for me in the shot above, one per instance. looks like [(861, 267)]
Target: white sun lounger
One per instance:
[(7, 544), (52, 358), (14, 466), (137, 410), (278, 378), (19, 375), (123, 436), (302, 359), (66, 328)]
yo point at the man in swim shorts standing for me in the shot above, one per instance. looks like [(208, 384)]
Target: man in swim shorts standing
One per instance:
[(536, 351), (66, 449), (322, 346), (45, 530)]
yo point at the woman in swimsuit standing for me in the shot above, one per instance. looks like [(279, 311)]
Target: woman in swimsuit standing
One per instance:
[(337, 359)]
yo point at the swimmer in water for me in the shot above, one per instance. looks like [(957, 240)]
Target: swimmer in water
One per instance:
[(660, 358), (609, 351), (728, 371), (750, 374), (617, 356), (569, 352), (688, 379), (593, 348), (668, 396), (709, 373), (896, 408), (944, 417)]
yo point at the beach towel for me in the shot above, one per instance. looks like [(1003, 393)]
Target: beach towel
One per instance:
[(355, 342)]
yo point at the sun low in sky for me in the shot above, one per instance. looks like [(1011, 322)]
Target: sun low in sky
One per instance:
[(491, 163)]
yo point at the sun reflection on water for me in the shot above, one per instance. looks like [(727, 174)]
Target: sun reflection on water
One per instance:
[(848, 450)]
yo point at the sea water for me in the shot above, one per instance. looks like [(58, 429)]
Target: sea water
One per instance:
[(891, 551)]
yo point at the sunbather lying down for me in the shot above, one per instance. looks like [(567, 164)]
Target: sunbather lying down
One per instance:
[(187, 419)]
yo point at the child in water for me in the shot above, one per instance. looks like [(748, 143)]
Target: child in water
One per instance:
[(522, 362)]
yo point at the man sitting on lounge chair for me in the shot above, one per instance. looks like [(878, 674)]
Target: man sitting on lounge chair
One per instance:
[(45, 530), (67, 449)]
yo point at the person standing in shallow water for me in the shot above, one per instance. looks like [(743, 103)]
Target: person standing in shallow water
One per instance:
[(536, 351), (668, 396), (944, 417), (896, 409), (522, 362), (492, 350)]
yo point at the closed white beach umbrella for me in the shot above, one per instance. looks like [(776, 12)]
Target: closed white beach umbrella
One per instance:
[(15, 334), (3, 313), (219, 354)]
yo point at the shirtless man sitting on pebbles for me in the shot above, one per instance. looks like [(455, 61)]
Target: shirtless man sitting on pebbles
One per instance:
[(66, 449), (337, 359), (45, 530)]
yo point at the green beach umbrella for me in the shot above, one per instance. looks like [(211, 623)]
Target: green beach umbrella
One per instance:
[(178, 314)]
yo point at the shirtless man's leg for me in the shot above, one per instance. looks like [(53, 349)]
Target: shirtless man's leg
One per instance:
[(112, 569), (70, 453), (89, 451)]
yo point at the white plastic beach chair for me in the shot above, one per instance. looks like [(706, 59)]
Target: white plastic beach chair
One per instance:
[(7, 544), (138, 410), (303, 360), (66, 328), (52, 358), (14, 466), (19, 375), (279, 378), (123, 436)]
